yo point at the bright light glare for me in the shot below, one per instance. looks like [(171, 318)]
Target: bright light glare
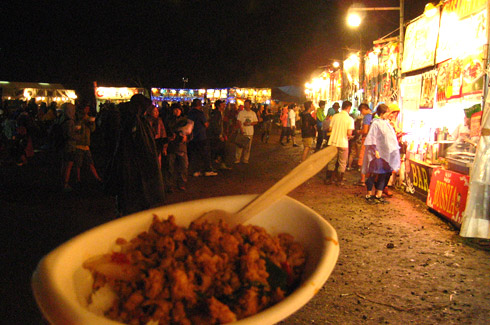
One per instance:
[(430, 10), (354, 20), (336, 64)]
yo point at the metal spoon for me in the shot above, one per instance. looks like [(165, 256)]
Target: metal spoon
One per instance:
[(301, 173)]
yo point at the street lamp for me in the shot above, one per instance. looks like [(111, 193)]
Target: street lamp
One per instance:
[(354, 20)]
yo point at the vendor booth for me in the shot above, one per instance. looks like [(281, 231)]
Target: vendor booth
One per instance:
[(41, 92)]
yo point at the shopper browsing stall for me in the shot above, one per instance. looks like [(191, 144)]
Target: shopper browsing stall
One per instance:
[(382, 155)]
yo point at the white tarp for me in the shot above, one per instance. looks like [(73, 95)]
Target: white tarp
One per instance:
[(476, 216)]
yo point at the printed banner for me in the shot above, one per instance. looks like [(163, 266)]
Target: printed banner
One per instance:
[(447, 194), (418, 178), (428, 93)]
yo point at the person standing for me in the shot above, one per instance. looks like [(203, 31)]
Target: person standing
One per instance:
[(216, 133), (341, 128), (199, 149), (82, 153), (283, 118), (320, 117), (70, 136), (267, 123), (292, 123), (366, 122), (307, 128), (382, 155), (180, 131), (246, 120), (134, 176)]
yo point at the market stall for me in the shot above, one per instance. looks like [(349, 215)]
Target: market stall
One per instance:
[(41, 92), (442, 92), (114, 95)]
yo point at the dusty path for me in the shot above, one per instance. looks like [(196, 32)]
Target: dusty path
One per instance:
[(398, 263)]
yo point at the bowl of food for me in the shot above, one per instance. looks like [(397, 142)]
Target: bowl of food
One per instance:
[(70, 283)]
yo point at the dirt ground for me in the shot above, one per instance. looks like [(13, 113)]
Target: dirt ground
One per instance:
[(398, 263)]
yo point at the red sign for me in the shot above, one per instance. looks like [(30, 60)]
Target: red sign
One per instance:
[(447, 194)]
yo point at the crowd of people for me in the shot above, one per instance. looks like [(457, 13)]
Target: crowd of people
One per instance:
[(150, 151)]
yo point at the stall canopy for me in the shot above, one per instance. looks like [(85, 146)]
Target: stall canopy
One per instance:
[(46, 92), (287, 94)]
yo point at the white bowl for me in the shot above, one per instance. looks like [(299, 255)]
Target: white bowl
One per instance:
[(61, 286)]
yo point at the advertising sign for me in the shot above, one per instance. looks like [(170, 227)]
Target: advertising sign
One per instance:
[(447, 194), (420, 43), (418, 178)]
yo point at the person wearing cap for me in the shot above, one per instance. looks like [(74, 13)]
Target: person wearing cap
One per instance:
[(320, 117)]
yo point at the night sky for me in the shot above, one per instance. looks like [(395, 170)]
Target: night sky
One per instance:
[(256, 43)]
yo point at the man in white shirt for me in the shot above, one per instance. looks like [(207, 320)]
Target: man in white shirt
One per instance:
[(342, 126), (246, 119)]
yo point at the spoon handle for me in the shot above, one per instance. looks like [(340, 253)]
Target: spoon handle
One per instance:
[(301, 173)]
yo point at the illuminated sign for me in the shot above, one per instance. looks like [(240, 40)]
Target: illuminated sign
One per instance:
[(116, 93)]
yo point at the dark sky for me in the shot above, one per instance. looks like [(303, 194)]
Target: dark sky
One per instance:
[(222, 43)]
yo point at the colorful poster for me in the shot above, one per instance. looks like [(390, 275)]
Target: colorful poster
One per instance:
[(418, 178), (449, 81), (420, 43), (428, 93), (447, 194), (473, 76)]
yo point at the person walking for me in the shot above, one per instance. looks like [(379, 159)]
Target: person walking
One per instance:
[(341, 129), (246, 119), (382, 155), (70, 136)]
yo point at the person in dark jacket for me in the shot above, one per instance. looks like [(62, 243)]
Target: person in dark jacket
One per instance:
[(199, 145), (134, 176)]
